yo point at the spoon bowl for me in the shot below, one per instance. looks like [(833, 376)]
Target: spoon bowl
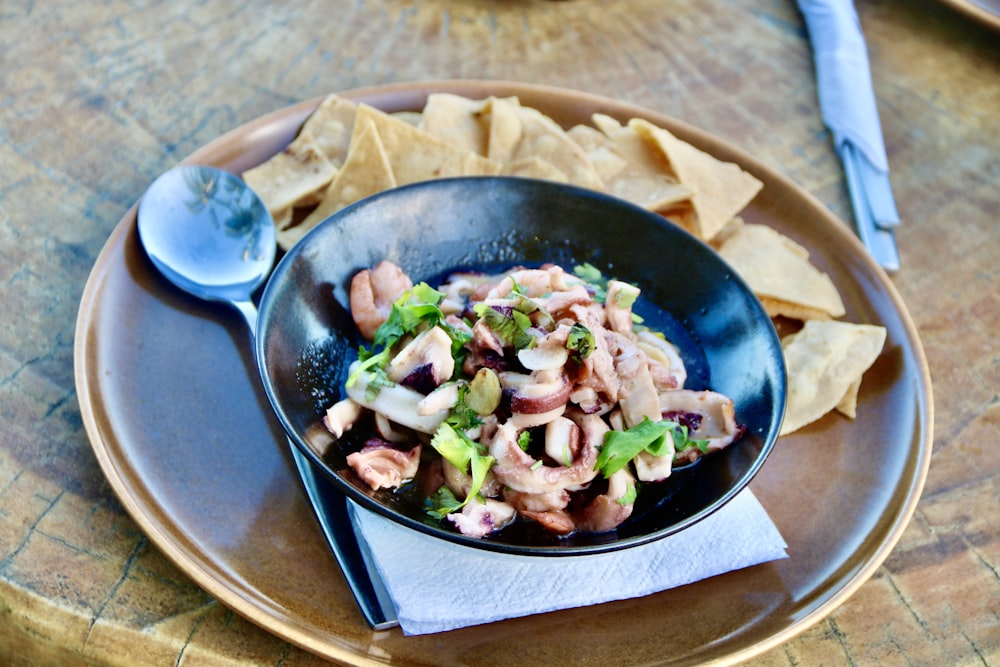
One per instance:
[(209, 234)]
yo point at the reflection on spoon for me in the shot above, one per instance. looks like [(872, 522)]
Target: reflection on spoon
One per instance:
[(210, 234)]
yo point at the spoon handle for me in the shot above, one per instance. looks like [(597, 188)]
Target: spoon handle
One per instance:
[(330, 508), (249, 312), (331, 511)]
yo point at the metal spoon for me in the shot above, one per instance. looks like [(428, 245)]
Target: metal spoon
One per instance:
[(211, 235)]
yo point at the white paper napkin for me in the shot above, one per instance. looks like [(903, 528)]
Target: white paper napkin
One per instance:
[(437, 585)]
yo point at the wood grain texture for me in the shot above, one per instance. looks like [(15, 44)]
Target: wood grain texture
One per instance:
[(97, 100)]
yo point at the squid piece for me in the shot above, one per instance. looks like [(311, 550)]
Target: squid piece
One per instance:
[(517, 470), (608, 510), (708, 415), (478, 519), (425, 362), (638, 396), (398, 403), (618, 306), (665, 363), (541, 391), (341, 416), (382, 466)]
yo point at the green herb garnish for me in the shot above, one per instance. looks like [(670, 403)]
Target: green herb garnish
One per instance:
[(524, 439), (580, 342), (468, 456), (442, 503), (415, 308), (512, 329), (620, 447)]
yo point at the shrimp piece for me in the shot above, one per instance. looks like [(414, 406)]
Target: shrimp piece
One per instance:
[(372, 293)]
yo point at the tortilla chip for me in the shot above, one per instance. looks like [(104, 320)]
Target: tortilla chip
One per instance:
[(534, 167), (793, 311), (329, 128), (461, 122), (848, 405), (722, 189), (291, 178), (824, 360), (524, 132), (728, 230), (506, 131), (608, 161), (283, 218), (683, 215), (409, 117), (634, 148), (633, 179), (415, 155), (365, 173), (777, 268)]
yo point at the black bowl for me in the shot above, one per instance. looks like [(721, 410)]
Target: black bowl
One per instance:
[(306, 338)]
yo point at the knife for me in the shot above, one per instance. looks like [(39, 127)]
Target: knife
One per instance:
[(847, 102)]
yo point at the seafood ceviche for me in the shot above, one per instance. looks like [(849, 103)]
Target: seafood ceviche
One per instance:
[(534, 393)]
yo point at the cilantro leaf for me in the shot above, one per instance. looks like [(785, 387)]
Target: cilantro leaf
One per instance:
[(682, 442), (620, 447), (512, 328), (414, 308), (442, 503), (464, 454), (461, 416), (630, 495), (528, 306), (378, 379), (580, 341), (593, 276), (459, 337)]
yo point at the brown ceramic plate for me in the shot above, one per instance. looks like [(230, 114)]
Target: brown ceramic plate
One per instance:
[(986, 12), (169, 393)]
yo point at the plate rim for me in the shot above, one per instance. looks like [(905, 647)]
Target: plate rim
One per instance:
[(236, 147), (975, 11)]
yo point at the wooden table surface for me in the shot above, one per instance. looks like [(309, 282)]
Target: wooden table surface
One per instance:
[(97, 99)]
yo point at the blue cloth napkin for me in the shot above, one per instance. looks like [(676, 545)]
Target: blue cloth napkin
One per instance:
[(847, 102), (437, 586), (844, 78)]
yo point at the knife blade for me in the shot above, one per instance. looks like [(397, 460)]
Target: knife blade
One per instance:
[(873, 206)]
